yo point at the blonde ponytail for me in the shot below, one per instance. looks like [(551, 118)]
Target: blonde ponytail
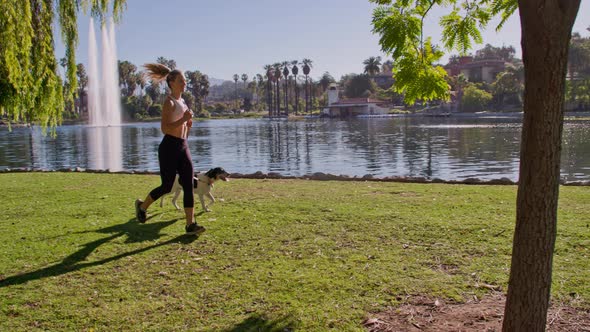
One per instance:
[(158, 72)]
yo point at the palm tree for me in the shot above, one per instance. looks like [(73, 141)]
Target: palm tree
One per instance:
[(245, 79), (253, 89), (387, 66), (236, 78), (286, 76), (372, 65), (295, 71), (259, 85), (277, 76), (141, 81), (127, 77), (260, 79), (307, 64), (197, 85), (269, 78), (166, 62)]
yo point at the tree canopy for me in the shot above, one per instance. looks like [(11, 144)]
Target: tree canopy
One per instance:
[(30, 87), (400, 25)]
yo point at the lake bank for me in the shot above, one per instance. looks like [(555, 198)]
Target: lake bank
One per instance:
[(315, 177), (485, 114)]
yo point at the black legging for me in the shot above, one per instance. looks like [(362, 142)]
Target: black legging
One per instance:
[(175, 157)]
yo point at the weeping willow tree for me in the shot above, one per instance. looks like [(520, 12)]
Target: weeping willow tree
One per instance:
[(31, 89)]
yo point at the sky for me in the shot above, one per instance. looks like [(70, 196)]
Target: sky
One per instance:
[(225, 37)]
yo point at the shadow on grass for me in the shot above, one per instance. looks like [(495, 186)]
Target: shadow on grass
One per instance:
[(74, 262), (257, 323)]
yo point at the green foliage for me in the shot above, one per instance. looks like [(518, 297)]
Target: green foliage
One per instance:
[(508, 87), (505, 53), (16, 40), (390, 95), (325, 80), (170, 63), (155, 110), (136, 108), (359, 86), (577, 90), (127, 77), (219, 108), (247, 104), (203, 114), (400, 26), (82, 77), (372, 65), (189, 99), (153, 91), (458, 31), (100, 8), (475, 99), (504, 8), (417, 79), (129, 107), (69, 32), (30, 87), (198, 86), (578, 94), (47, 91)]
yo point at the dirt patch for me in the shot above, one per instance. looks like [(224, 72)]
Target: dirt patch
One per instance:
[(419, 314)]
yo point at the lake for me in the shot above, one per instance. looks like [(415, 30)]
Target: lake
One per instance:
[(452, 148)]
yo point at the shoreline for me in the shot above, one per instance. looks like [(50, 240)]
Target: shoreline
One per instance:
[(318, 176), (481, 115)]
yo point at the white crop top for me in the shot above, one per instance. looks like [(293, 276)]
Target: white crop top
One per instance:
[(179, 108), (178, 112)]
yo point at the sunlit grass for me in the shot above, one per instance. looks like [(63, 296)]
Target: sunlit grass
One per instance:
[(307, 255)]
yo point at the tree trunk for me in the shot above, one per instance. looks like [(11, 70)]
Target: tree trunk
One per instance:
[(269, 99), (287, 96), (546, 31), (296, 98), (278, 97), (313, 92), (306, 96)]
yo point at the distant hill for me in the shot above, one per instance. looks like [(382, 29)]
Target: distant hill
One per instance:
[(216, 81)]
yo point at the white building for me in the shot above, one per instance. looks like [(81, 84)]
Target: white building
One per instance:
[(352, 107)]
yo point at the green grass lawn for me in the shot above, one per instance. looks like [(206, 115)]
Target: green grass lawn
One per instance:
[(296, 254)]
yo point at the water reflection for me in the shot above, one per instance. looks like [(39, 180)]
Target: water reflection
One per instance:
[(433, 148), (105, 148)]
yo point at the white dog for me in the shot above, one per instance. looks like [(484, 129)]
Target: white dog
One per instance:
[(202, 185)]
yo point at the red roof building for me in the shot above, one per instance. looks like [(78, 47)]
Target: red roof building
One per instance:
[(484, 70)]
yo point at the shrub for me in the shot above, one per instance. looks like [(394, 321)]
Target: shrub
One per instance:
[(474, 99), (155, 110)]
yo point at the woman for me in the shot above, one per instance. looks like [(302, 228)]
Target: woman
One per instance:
[(173, 153)]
